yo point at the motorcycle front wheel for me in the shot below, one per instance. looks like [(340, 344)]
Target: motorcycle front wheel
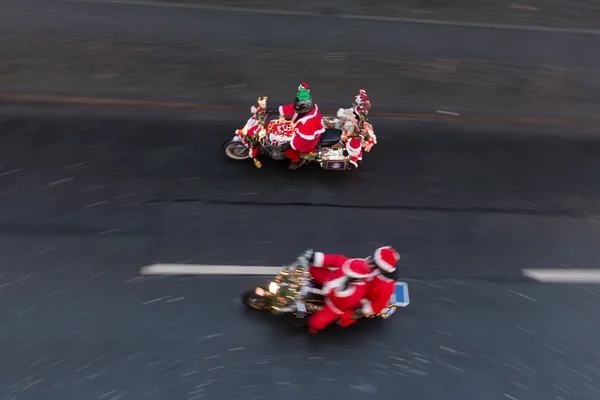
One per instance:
[(236, 150), (253, 301)]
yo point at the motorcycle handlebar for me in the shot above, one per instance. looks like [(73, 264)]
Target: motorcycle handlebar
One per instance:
[(272, 111)]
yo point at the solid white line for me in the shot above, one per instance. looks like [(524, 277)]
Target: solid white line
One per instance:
[(380, 18), (165, 4), (564, 275), (470, 24), (191, 269)]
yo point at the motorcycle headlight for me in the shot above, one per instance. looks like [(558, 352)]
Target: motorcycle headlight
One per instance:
[(273, 287)]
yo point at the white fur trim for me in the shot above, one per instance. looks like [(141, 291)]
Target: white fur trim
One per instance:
[(281, 111), (350, 291), (333, 307), (348, 272), (346, 293), (334, 284), (354, 163), (319, 259), (380, 263), (367, 307), (352, 152), (373, 274), (309, 137), (349, 126)]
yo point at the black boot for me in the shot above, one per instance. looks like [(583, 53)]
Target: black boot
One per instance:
[(295, 165)]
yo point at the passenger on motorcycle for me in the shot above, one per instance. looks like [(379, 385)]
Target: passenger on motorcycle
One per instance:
[(308, 126), (343, 286), (381, 282)]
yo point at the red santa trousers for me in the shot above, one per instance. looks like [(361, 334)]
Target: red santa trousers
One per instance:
[(338, 305), (300, 145)]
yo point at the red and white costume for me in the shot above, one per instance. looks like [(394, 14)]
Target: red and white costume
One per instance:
[(379, 287), (354, 149), (357, 135), (251, 129), (307, 129), (343, 287)]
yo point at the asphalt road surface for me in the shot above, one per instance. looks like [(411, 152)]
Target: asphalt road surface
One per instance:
[(227, 58), (86, 201), (185, 27)]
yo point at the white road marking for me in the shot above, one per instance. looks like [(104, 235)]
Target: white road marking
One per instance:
[(448, 113), (573, 276), (205, 7), (380, 18), (564, 275), (192, 269)]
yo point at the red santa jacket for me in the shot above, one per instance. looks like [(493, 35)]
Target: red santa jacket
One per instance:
[(342, 270), (379, 290), (309, 127)]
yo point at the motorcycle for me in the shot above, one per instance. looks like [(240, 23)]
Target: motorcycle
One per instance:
[(261, 136), (293, 292)]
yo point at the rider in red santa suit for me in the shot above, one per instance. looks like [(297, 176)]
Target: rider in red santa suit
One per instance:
[(343, 287), (381, 283), (308, 126)]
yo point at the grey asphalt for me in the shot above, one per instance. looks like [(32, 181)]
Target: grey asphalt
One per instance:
[(225, 58), (226, 30), (556, 13), (87, 199)]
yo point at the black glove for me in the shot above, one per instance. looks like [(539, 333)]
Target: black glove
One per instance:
[(310, 255)]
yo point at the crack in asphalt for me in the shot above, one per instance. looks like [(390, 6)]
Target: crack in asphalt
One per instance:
[(550, 212)]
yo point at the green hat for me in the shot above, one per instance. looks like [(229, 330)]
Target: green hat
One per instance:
[(303, 92)]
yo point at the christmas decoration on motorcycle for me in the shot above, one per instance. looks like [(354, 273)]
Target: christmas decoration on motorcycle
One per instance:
[(290, 282), (362, 103), (310, 156), (249, 136), (261, 111), (254, 131), (368, 137), (280, 131)]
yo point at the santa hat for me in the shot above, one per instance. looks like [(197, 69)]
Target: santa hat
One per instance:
[(353, 268), (353, 147), (386, 258), (356, 268), (303, 92)]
